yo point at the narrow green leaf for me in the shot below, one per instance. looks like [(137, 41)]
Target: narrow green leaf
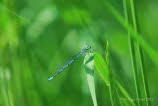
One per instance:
[(152, 52), (121, 100), (102, 68), (124, 92), (89, 69)]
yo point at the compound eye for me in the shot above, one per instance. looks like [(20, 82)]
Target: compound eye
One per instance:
[(88, 47)]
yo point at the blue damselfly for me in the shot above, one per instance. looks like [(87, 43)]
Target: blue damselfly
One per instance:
[(72, 60)]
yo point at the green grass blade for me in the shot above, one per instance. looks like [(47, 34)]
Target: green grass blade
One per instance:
[(103, 71), (137, 50), (132, 54), (152, 53), (89, 69), (121, 100), (124, 92), (102, 68), (7, 10), (146, 92)]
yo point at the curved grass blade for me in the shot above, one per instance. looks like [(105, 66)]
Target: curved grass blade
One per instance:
[(104, 72), (89, 69), (124, 92), (152, 53), (102, 68)]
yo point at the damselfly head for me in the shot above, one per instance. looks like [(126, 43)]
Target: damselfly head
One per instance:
[(88, 47)]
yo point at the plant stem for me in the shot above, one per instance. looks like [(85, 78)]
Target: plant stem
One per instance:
[(4, 89), (111, 97), (139, 55), (132, 54), (110, 76)]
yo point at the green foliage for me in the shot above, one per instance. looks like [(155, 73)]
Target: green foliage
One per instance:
[(134, 34), (38, 36), (126, 95), (89, 69), (79, 17), (102, 68)]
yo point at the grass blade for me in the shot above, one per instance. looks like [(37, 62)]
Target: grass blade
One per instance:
[(124, 92), (152, 53), (137, 50), (132, 54), (89, 69), (102, 68), (103, 71)]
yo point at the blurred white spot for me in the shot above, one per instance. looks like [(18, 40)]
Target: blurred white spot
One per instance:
[(44, 18), (47, 15), (1, 74), (5, 74)]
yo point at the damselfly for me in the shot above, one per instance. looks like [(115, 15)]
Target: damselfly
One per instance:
[(72, 60)]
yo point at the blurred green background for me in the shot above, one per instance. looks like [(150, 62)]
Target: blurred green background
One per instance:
[(38, 36)]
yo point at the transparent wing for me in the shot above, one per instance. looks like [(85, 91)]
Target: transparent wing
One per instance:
[(67, 63), (59, 68)]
